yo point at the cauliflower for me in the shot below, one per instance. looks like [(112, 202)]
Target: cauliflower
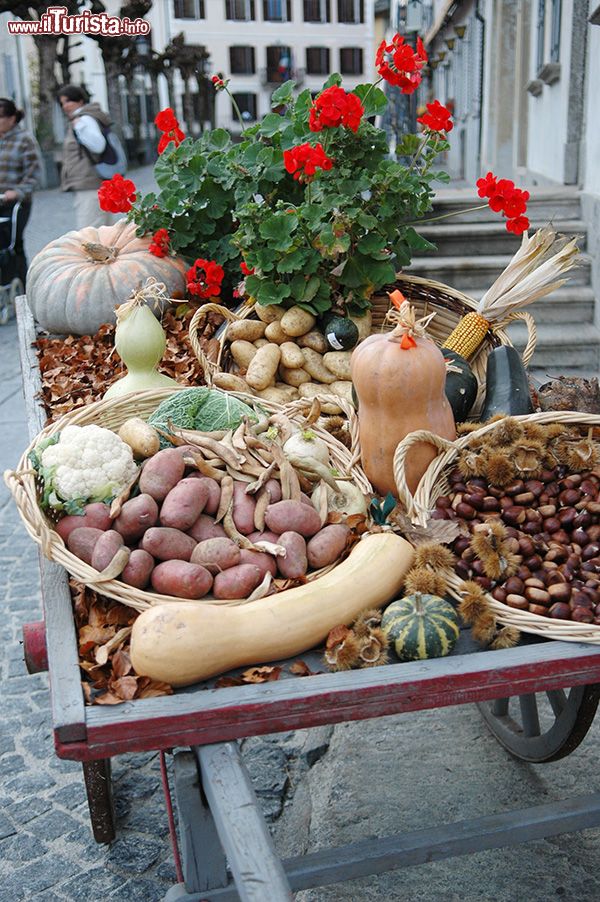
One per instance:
[(84, 464)]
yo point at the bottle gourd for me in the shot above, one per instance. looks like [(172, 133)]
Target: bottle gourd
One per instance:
[(399, 378)]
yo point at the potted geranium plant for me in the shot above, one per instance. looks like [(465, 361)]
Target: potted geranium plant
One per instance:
[(309, 203)]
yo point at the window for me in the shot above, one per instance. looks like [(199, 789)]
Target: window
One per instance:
[(317, 61), (247, 106), (541, 27), (241, 61), (239, 10), (351, 11), (277, 10), (188, 9), (317, 10), (351, 61), (279, 64), (555, 33)]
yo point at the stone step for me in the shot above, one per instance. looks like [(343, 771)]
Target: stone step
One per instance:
[(453, 238), (561, 347), (569, 304), (470, 273), (549, 204)]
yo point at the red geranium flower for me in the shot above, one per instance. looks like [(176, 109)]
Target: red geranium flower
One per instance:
[(304, 160), (218, 82), (486, 186), (334, 107), (504, 197), (400, 65), (247, 270), (515, 203), (160, 243), (518, 225), (166, 120), (437, 118), (116, 195), (176, 135), (204, 278)]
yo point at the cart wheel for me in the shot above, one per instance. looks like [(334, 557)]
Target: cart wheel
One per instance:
[(543, 726)]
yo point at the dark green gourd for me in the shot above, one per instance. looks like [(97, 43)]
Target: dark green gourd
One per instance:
[(461, 386), (507, 386)]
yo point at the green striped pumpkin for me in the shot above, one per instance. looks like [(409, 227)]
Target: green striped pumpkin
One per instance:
[(421, 626)]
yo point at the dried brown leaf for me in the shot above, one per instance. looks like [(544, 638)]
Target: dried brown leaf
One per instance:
[(261, 674), (301, 668)]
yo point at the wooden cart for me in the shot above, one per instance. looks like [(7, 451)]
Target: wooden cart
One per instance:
[(538, 699)]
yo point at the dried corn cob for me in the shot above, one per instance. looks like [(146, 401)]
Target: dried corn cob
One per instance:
[(467, 336)]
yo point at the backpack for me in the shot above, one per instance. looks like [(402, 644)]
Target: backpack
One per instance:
[(112, 160)]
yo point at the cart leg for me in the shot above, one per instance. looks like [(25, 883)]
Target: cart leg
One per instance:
[(202, 857), (98, 785)]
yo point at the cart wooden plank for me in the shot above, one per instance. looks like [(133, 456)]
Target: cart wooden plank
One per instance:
[(66, 695), (253, 861), (375, 856), (202, 715)]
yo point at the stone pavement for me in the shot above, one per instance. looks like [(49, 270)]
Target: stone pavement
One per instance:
[(319, 787)]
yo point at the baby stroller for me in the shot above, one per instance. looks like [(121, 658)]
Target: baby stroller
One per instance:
[(11, 285)]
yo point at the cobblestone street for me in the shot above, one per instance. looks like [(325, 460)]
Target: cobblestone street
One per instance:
[(319, 788)]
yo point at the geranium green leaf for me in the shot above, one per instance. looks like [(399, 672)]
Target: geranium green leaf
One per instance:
[(219, 139), (283, 94), (416, 241), (371, 243), (366, 220), (408, 146), (273, 123), (334, 79), (373, 99), (440, 176), (272, 293)]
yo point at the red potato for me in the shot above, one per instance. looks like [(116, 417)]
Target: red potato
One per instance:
[(161, 473), (105, 549), (237, 582), (214, 492), (181, 579), (167, 544), (264, 536), (216, 554), (327, 545), (243, 509), (81, 542), (295, 563), (292, 516), (266, 563), (138, 569), (137, 515), (206, 528), (96, 514), (184, 504), (274, 488)]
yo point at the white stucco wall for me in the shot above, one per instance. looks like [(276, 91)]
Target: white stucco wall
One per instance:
[(591, 155), (548, 111)]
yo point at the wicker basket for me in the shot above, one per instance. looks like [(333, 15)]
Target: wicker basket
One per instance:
[(435, 483), (426, 296), (24, 487)]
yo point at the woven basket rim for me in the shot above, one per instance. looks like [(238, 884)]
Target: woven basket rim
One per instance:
[(431, 486), (23, 486), (425, 294)]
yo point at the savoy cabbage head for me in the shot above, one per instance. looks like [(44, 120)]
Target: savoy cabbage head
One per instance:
[(205, 409)]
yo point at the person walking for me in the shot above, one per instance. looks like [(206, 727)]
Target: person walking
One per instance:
[(84, 141), (20, 175)]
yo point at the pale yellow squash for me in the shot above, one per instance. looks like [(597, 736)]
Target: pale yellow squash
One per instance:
[(185, 642)]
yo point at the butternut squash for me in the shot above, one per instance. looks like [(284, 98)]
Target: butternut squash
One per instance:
[(399, 378), (183, 643)]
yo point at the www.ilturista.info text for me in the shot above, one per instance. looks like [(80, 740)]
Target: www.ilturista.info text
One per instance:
[(56, 21)]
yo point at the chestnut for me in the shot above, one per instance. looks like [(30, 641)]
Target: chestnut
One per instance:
[(560, 611)]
